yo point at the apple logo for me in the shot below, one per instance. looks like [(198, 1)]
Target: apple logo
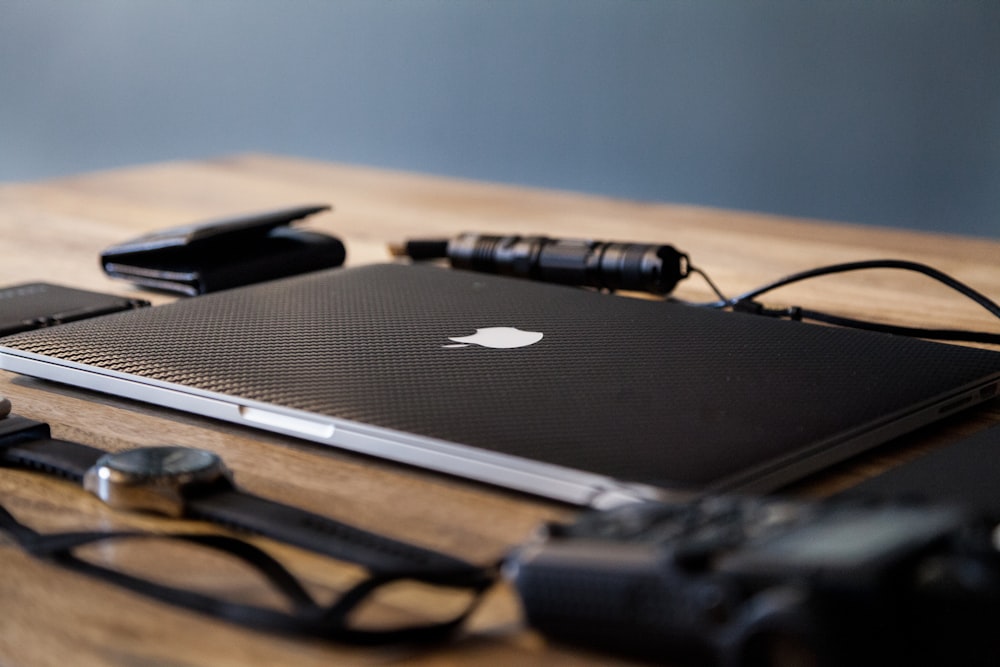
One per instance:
[(498, 338)]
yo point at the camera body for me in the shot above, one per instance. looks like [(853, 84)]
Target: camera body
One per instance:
[(769, 581)]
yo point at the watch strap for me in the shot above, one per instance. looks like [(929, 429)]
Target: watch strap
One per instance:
[(318, 533), (25, 443)]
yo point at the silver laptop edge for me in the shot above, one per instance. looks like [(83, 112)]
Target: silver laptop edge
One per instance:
[(534, 477), (513, 472)]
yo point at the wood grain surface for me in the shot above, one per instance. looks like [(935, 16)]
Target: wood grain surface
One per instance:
[(54, 231)]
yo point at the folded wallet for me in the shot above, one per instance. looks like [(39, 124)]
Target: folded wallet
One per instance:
[(217, 255)]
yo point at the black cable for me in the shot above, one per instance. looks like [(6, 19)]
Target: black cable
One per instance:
[(747, 302), (929, 271), (711, 284), (306, 615), (802, 314)]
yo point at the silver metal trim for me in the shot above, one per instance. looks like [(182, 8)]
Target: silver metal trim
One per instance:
[(533, 477)]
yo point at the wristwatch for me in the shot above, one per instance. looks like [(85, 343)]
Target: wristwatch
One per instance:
[(195, 483)]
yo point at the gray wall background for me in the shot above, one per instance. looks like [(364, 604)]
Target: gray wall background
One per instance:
[(881, 112)]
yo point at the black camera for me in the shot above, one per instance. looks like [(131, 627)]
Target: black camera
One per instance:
[(770, 581)]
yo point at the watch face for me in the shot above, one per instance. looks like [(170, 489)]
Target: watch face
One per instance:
[(162, 461)]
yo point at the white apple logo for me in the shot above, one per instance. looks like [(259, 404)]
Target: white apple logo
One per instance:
[(498, 338)]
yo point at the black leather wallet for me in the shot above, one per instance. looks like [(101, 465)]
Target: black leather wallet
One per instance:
[(216, 255)]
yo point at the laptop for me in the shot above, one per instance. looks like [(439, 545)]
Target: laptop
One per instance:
[(589, 398)]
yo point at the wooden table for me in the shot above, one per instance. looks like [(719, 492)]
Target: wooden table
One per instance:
[(53, 231)]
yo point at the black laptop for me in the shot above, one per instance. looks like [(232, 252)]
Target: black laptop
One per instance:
[(584, 397)]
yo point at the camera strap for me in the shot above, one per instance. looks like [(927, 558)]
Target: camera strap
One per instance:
[(306, 617)]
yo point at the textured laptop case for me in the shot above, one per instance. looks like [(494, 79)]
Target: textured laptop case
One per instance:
[(653, 392)]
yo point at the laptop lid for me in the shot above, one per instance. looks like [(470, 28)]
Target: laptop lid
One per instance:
[(575, 395)]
